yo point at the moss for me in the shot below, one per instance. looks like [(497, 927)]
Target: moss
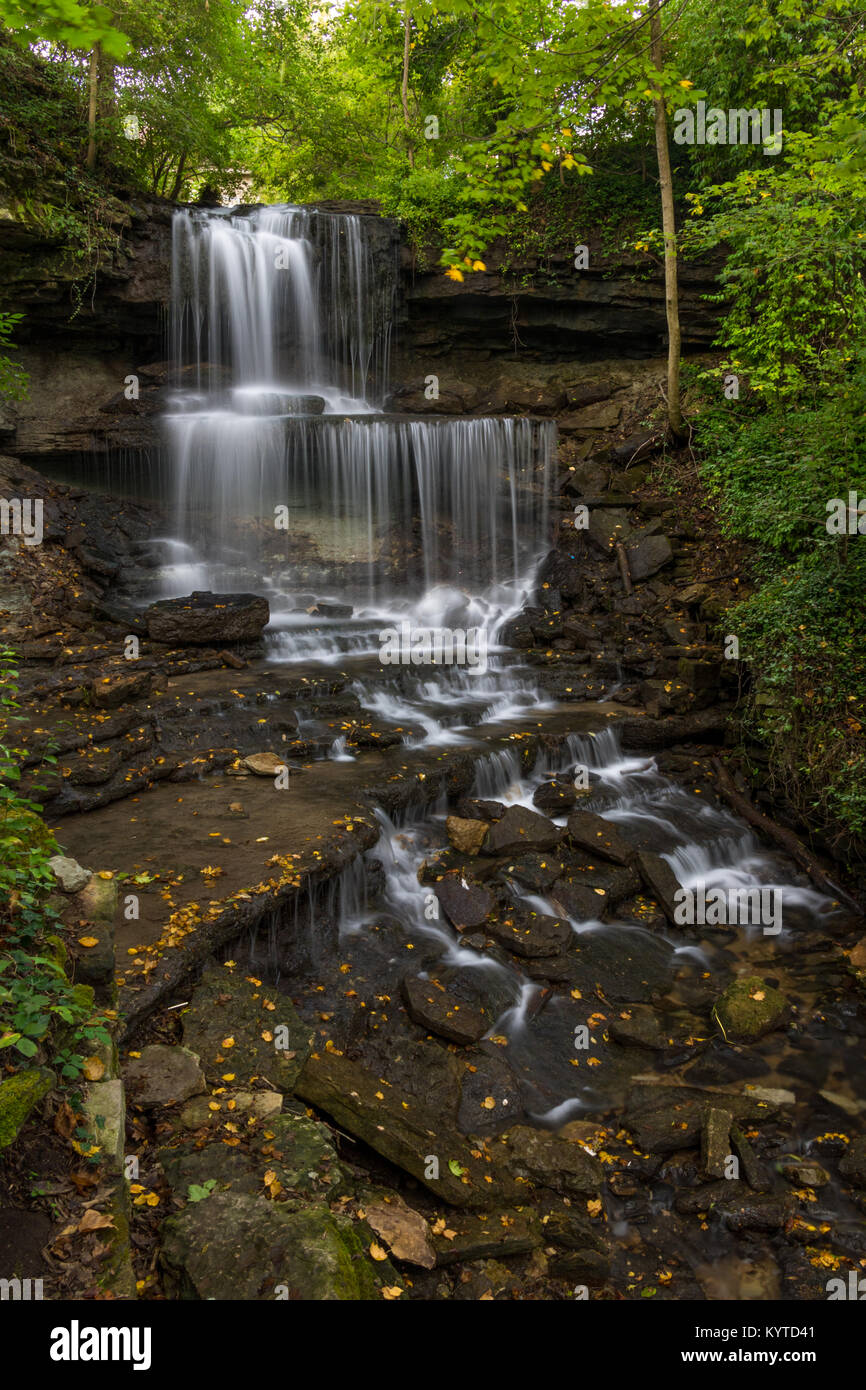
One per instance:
[(749, 1008), (18, 1096)]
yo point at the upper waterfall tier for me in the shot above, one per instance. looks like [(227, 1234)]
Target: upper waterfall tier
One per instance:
[(290, 298)]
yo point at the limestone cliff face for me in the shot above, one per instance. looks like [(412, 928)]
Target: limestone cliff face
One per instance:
[(535, 337)]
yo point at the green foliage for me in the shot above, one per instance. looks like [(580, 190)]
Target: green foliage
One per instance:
[(197, 1192), (63, 21), (795, 231), (803, 631), (13, 379), (42, 1015)]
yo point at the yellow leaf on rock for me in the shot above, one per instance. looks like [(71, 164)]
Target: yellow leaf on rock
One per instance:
[(377, 1252), (93, 1068), (88, 941)]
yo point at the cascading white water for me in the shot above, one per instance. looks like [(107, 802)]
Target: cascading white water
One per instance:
[(281, 331)]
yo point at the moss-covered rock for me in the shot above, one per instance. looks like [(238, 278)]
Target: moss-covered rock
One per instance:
[(225, 1024), (749, 1008), (18, 1096), (233, 1246)]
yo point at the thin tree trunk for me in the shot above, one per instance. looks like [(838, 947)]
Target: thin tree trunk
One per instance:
[(93, 93), (672, 308), (178, 179), (404, 90)]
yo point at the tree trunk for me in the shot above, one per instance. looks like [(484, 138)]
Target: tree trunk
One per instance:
[(669, 229), (178, 179), (404, 90), (106, 96), (93, 93)]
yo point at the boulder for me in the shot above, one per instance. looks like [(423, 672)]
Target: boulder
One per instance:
[(206, 619), (556, 796), (647, 556), (431, 1005), (226, 1024), (163, 1075), (465, 904), (661, 882), (71, 878), (598, 836), (467, 836), (749, 1008), (520, 830), (19, 1094), (233, 1246), (532, 934)]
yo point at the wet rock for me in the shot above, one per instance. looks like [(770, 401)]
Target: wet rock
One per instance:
[(224, 1025), (107, 692), (467, 836), (642, 1027), (568, 1229), (163, 1075), (465, 904), (520, 829), (803, 1172), (588, 1267), (749, 1159), (538, 872), (666, 1118), (742, 1210), (556, 796), (531, 934), (330, 610), (264, 764), (852, 1165), (629, 966), (598, 836), (716, 1141), (547, 1160), (471, 808), (488, 1235), (579, 901), (661, 881), (431, 1006), (490, 1098), (666, 696), (750, 1008), (206, 619), (417, 1136), (722, 1064), (70, 876), (647, 556), (614, 882), (233, 1246)]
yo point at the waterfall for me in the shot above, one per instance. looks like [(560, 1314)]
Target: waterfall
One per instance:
[(287, 476)]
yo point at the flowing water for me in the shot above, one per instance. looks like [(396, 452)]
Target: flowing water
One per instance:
[(290, 479)]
